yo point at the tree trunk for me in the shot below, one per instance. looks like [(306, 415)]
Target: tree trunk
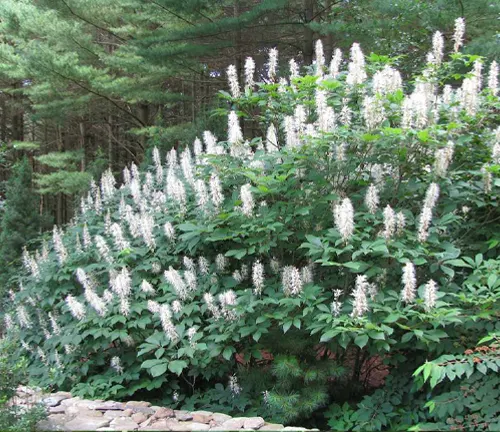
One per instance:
[(329, 36), (308, 33)]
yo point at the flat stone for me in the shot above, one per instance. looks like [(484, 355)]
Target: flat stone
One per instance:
[(66, 395), (132, 404), (71, 401), (183, 415), (271, 427), (60, 409), (220, 418), (144, 410), (105, 429), (164, 413), (201, 416), (293, 428), (107, 406), (208, 413), (53, 401), (89, 404), (192, 426), (85, 423), (160, 425), (254, 423), (234, 423), (139, 417), (52, 422), (82, 411), (47, 425), (124, 423), (113, 414)]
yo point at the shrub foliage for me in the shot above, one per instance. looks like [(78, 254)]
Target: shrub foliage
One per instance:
[(348, 219)]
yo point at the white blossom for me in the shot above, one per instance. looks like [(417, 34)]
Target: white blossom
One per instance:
[(216, 191), (173, 277), (211, 306), (372, 199), (248, 203), (103, 249), (389, 222), (443, 158), (336, 305), (221, 262), (343, 214), (232, 77), (437, 47), (234, 386), (258, 277), (409, 280), (458, 36), (235, 136), (320, 58), (169, 230), (147, 288), (356, 68), (291, 281), (271, 139), (227, 300), (335, 63), (294, 69), (272, 64), (62, 253), (76, 308), (430, 295), (191, 333), (360, 302), (249, 73), (493, 78)]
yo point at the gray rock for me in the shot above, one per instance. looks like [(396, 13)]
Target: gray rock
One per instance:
[(192, 426), (160, 425), (164, 413), (113, 414), (220, 418), (234, 423), (71, 401), (132, 404), (144, 410), (293, 428), (60, 409), (81, 411), (272, 427), (52, 423), (202, 416), (84, 423), (124, 423), (105, 429), (107, 406), (53, 401), (183, 415), (139, 417), (254, 423)]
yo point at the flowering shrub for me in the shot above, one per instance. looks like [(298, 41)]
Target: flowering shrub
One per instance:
[(269, 271)]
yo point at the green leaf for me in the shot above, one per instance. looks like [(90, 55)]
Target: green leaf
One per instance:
[(361, 340), (287, 326), (177, 366), (227, 353), (392, 318), (158, 370)]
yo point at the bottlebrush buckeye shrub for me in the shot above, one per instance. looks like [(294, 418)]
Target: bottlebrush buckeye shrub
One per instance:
[(265, 269)]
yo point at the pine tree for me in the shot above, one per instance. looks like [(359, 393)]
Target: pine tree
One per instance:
[(20, 222)]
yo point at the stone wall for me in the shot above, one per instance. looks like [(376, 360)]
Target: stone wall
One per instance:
[(67, 413)]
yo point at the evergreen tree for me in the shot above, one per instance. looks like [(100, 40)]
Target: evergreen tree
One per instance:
[(20, 222)]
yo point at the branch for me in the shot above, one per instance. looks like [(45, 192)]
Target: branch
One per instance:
[(91, 23)]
